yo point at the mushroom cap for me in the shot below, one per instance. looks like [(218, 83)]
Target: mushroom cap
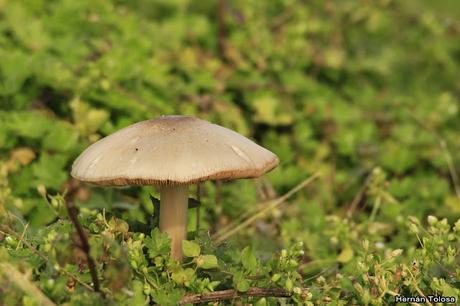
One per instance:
[(172, 150)]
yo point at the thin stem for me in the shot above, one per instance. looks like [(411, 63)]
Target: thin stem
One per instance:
[(173, 216), (359, 196), (73, 214), (22, 237), (375, 209)]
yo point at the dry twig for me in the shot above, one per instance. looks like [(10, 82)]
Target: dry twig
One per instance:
[(73, 214), (233, 294)]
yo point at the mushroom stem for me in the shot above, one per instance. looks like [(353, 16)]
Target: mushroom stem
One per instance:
[(173, 216)]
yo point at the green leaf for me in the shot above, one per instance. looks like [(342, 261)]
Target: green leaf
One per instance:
[(398, 158), (190, 248), (61, 138), (15, 68), (207, 261), (241, 284), (138, 298), (248, 260), (167, 298), (41, 214), (289, 284), (158, 243), (88, 120), (183, 275), (212, 285), (29, 124), (49, 170), (261, 302), (268, 111), (117, 225), (346, 255)]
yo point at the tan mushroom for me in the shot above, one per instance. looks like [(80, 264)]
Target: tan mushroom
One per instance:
[(172, 152)]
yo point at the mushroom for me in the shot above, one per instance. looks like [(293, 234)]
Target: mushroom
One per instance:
[(172, 152)]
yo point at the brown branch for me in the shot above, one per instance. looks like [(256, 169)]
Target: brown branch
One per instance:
[(73, 214), (233, 294)]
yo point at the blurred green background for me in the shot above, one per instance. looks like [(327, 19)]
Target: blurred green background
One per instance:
[(339, 87), (365, 92)]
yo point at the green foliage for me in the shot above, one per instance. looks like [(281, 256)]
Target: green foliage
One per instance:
[(191, 249), (366, 93)]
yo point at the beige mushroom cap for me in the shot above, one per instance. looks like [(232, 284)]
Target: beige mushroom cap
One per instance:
[(173, 150)]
